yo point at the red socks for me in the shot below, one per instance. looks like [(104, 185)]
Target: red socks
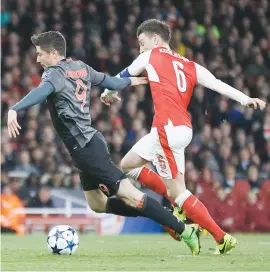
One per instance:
[(198, 213), (191, 205), (153, 181)]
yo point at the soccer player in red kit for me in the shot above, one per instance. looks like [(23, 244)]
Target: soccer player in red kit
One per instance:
[(172, 79)]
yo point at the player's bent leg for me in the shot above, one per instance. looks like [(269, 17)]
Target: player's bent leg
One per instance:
[(172, 167), (100, 203), (140, 154), (131, 165), (193, 207), (96, 200), (150, 208), (150, 179)]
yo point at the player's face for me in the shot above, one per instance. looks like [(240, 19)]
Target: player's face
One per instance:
[(146, 43), (44, 58)]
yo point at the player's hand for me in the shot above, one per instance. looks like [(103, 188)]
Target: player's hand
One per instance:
[(256, 103), (13, 126), (108, 98), (138, 81)]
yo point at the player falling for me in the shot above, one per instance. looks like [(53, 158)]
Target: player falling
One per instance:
[(172, 79), (66, 85)]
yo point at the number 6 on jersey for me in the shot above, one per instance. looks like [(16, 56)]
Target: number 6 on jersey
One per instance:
[(180, 76)]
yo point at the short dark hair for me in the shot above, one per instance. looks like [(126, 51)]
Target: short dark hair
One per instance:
[(51, 40), (154, 26)]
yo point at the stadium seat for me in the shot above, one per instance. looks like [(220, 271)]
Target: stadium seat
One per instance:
[(240, 191), (265, 194), (43, 223)]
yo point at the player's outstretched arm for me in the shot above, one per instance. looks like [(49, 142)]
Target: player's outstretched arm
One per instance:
[(136, 68), (208, 80), (115, 84), (35, 97)]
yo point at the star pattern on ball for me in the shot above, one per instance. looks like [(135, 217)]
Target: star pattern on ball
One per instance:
[(70, 245), (72, 230), (56, 250), (58, 234), (63, 237)]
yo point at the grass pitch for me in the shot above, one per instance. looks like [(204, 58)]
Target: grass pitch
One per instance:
[(133, 253)]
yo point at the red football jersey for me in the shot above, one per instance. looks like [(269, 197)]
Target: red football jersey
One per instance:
[(172, 79)]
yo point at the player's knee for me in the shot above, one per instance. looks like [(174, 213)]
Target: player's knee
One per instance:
[(124, 166), (132, 199), (129, 194)]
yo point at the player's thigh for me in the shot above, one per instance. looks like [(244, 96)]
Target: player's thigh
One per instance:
[(96, 200), (97, 170), (179, 138), (140, 154), (131, 161), (129, 194), (169, 152)]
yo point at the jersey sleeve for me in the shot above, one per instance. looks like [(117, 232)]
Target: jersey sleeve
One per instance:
[(208, 80), (53, 76), (115, 83), (137, 66), (36, 96), (94, 76)]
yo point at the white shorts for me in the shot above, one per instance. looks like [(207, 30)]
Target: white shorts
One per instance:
[(165, 148)]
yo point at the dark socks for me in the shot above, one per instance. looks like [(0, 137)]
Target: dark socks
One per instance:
[(150, 208), (118, 207), (167, 204)]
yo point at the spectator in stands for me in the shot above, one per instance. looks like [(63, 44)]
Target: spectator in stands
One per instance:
[(207, 158), (223, 210), (243, 164), (8, 156), (253, 178), (37, 158), (221, 113), (18, 187), (255, 218), (205, 188), (11, 220), (203, 139), (229, 178), (56, 180), (75, 181), (25, 165), (4, 178), (32, 185), (240, 141), (42, 199), (225, 155)]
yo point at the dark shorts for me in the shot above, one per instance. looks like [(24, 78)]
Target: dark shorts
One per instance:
[(97, 171)]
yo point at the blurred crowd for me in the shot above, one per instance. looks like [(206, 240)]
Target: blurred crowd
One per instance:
[(231, 142)]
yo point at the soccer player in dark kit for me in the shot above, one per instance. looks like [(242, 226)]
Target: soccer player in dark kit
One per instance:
[(66, 84)]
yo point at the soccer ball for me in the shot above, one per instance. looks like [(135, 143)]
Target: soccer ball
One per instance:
[(63, 240)]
